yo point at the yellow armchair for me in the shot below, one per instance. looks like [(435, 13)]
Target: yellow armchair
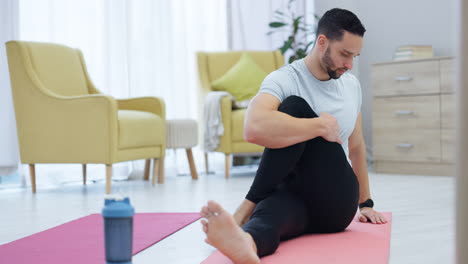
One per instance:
[(212, 66), (62, 118)]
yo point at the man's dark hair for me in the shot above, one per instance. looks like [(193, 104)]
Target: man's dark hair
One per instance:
[(336, 21)]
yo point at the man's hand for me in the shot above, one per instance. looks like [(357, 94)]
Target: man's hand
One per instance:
[(375, 217), (331, 129)]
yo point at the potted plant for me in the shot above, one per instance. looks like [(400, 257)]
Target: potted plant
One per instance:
[(298, 30)]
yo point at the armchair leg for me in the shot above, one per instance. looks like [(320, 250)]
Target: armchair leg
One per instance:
[(32, 173), (147, 169), (161, 171), (193, 169), (228, 165), (206, 162), (84, 173), (108, 178), (156, 165)]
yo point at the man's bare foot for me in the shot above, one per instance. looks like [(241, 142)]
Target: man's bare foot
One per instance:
[(244, 212), (223, 233)]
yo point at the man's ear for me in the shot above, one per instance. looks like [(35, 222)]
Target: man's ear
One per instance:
[(322, 42)]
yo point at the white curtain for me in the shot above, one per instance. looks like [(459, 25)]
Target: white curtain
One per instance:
[(134, 48), (9, 156), (131, 48)]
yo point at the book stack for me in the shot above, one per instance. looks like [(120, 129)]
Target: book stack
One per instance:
[(412, 52)]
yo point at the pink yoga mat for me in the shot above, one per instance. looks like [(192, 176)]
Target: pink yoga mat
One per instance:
[(82, 241), (360, 243)]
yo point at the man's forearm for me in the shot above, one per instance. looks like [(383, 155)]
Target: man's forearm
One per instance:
[(275, 129), (358, 159)]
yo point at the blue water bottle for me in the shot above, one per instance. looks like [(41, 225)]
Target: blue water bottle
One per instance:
[(118, 230)]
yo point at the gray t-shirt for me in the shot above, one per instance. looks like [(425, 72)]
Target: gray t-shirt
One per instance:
[(341, 97)]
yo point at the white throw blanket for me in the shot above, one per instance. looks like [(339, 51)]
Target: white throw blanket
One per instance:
[(213, 122)]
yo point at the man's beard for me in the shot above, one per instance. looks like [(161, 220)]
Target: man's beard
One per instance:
[(330, 65)]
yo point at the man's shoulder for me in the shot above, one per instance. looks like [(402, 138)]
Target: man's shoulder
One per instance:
[(282, 75), (280, 83), (286, 73)]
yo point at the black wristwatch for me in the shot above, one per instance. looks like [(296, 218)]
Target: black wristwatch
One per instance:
[(368, 203)]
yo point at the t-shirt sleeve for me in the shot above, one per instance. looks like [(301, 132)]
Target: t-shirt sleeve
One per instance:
[(278, 84)]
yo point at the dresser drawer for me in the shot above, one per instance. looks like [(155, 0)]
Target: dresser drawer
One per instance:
[(420, 77), (447, 75), (407, 145), (448, 145), (447, 108), (406, 112)]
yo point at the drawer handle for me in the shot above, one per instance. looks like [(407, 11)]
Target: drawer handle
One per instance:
[(404, 145), (404, 112), (403, 78)]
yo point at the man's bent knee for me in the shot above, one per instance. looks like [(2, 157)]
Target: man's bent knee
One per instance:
[(296, 106)]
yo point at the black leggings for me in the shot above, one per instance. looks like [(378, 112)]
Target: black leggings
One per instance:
[(308, 187)]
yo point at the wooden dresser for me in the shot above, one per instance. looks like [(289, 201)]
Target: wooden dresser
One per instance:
[(413, 116)]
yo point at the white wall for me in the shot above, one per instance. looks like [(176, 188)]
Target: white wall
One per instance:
[(391, 24)]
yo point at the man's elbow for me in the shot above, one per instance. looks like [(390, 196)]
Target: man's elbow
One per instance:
[(251, 134), (255, 136), (357, 151)]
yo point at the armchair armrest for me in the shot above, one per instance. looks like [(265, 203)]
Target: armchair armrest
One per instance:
[(226, 109), (225, 142), (148, 104)]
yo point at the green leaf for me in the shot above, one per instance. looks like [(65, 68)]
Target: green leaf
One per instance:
[(308, 45), (279, 18), (277, 24), (296, 23), (300, 53), (292, 58), (298, 19), (279, 12), (286, 45)]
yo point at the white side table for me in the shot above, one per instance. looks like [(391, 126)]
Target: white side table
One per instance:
[(183, 133)]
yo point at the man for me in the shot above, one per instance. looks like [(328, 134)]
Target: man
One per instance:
[(305, 182)]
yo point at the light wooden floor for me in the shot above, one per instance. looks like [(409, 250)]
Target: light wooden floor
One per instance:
[(422, 206)]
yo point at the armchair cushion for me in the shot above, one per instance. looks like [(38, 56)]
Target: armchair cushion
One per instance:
[(140, 129), (243, 80)]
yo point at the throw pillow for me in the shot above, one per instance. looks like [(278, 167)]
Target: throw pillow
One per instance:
[(243, 80)]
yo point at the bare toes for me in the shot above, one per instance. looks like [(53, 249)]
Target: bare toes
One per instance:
[(205, 226), (205, 212), (215, 207)]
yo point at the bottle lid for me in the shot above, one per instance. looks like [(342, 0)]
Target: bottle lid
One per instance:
[(117, 208)]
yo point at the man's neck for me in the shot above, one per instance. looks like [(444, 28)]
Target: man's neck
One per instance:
[(312, 61)]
